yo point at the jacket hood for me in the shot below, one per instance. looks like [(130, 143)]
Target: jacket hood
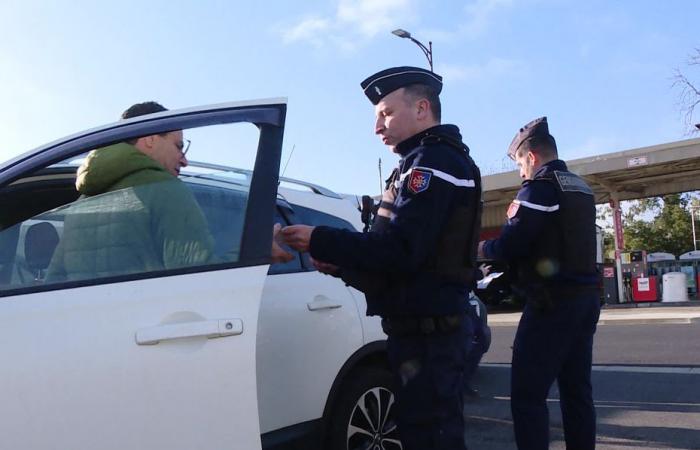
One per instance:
[(106, 166)]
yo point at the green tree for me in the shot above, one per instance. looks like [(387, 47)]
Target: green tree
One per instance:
[(605, 221), (659, 224)]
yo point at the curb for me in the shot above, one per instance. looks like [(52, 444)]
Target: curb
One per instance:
[(660, 320), (621, 321)]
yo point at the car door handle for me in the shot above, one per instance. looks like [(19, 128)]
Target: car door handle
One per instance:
[(322, 302), (204, 328)]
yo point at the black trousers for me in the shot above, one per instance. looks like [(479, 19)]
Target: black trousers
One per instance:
[(550, 345), (428, 373)]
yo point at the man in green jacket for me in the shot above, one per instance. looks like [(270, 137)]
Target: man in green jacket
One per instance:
[(135, 215)]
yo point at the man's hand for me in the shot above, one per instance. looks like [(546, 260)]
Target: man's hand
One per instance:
[(324, 267), (297, 236), (279, 255), (485, 270)]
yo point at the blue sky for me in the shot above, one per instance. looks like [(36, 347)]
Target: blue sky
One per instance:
[(600, 70)]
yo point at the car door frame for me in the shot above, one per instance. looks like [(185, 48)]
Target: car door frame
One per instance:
[(268, 115)]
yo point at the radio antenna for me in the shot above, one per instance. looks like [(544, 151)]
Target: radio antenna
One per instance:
[(381, 180), (288, 159)]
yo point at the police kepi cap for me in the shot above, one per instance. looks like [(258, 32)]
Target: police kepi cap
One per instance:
[(383, 83), (535, 128)]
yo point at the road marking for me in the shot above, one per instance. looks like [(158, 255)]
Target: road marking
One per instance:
[(614, 403), (648, 369), (600, 438), (628, 369)]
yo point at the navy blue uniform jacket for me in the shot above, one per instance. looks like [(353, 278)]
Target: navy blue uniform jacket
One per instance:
[(436, 179), (533, 238)]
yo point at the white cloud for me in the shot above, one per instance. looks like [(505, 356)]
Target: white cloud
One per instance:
[(371, 17), (596, 145), (493, 68), (480, 15), (309, 29), (353, 23)]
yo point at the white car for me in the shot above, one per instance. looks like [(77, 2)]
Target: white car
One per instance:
[(232, 354)]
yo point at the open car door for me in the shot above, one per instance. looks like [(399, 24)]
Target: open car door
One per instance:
[(137, 356)]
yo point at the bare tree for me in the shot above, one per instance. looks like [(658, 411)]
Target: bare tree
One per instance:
[(689, 96)]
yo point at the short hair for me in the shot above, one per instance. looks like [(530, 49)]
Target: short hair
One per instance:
[(544, 146), (141, 109), (419, 91)]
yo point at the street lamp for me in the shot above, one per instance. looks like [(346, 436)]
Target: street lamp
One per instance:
[(428, 51), (692, 221)]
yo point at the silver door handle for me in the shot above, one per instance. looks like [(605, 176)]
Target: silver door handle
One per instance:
[(204, 328), (322, 302)]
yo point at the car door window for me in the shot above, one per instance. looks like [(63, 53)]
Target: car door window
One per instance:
[(129, 216)]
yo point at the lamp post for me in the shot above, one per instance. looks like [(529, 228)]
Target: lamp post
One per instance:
[(428, 51), (692, 221)]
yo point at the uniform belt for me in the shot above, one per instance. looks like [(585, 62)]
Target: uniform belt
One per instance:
[(405, 326)]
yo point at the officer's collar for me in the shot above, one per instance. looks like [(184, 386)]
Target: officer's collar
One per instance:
[(404, 147), (551, 166)]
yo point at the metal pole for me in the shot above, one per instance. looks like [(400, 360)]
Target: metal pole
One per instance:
[(618, 248), (427, 51), (692, 221)]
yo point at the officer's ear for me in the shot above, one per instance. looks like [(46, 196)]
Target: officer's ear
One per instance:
[(422, 108), (533, 158)]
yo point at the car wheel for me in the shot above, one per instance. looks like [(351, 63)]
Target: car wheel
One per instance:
[(365, 415)]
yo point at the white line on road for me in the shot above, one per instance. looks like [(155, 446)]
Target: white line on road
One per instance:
[(615, 403), (628, 369)]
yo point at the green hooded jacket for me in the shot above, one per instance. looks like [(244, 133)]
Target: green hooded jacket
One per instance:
[(133, 217)]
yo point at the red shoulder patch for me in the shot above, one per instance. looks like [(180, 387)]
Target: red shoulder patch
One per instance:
[(419, 181), (512, 209)]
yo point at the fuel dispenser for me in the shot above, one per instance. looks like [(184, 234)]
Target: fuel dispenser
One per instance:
[(640, 286), (610, 294), (690, 265)]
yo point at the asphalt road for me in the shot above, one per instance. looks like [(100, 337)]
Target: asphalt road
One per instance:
[(646, 382), (641, 344)]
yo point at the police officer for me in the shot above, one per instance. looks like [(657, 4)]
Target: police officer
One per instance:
[(477, 335), (549, 238), (419, 264)]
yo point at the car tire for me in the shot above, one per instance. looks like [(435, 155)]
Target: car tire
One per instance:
[(364, 415)]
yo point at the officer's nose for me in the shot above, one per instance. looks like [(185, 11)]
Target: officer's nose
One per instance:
[(379, 125), (184, 162)]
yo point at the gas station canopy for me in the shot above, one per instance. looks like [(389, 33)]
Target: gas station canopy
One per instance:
[(627, 175)]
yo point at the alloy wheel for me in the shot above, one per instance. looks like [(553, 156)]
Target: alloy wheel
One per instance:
[(372, 424)]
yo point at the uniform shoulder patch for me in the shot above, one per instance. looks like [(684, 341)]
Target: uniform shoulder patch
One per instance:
[(513, 209), (569, 182), (419, 180)]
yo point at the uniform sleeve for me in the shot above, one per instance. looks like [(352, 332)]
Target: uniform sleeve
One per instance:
[(425, 200), (533, 206)]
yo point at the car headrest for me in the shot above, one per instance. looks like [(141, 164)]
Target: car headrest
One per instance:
[(39, 244)]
